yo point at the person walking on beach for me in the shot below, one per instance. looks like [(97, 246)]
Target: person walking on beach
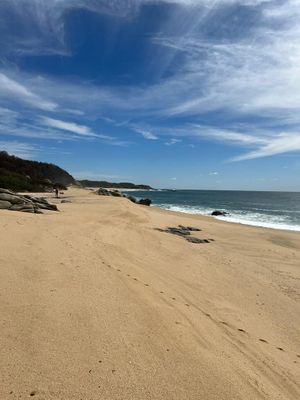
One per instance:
[(56, 193)]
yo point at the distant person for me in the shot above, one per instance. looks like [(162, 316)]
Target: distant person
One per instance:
[(56, 193)]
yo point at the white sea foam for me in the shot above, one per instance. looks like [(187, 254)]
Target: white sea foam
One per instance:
[(245, 218)]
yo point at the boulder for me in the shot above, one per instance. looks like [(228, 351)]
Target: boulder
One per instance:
[(12, 198), (103, 192), (6, 191), (5, 204), (145, 202), (217, 213), (116, 193), (43, 206), (23, 207), (131, 198), (15, 202)]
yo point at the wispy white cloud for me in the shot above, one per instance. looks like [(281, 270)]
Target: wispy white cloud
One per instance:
[(19, 149), (252, 74), (95, 176), (172, 141), (17, 92), (146, 134), (280, 144), (68, 126)]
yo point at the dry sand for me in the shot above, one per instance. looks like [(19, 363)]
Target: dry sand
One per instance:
[(97, 304)]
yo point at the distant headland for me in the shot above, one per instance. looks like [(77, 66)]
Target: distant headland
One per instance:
[(34, 176)]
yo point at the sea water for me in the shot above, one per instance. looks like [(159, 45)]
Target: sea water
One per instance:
[(277, 210)]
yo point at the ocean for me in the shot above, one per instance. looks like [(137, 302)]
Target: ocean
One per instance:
[(277, 210)]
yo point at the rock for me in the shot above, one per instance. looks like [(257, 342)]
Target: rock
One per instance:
[(145, 202), (131, 198), (189, 228), (176, 231), (103, 192), (66, 201), (43, 206), (15, 202), (6, 191), (116, 193), (184, 232), (23, 207), (179, 231), (12, 198), (196, 240), (219, 213), (5, 204)]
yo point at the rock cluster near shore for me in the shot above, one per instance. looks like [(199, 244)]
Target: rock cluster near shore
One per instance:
[(218, 213), (185, 232), (12, 201), (117, 193)]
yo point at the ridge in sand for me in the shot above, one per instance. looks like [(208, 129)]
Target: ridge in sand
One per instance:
[(98, 303)]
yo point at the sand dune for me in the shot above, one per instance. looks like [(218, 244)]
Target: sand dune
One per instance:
[(97, 304)]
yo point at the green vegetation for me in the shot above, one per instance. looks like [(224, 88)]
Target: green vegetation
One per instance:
[(24, 175)]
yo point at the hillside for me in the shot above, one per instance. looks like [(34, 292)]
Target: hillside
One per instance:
[(126, 185), (25, 175)]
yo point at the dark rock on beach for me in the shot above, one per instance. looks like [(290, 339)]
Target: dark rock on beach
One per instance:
[(217, 213), (145, 202), (185, 232), (117, 193), (103, 192), (189, 228), (196, 240), (131, 198)]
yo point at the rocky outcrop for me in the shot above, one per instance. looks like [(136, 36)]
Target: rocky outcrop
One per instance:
[(117, 193), (114, 193), (217, 213), (12, 201)]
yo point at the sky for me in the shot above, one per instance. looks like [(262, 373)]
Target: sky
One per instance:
[(198, 94)]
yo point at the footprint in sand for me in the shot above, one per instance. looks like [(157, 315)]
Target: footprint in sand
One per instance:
[(263, 340), (33, 393), (146, 284), (161, 292), (279, 348), (241, 330), (224, 323)]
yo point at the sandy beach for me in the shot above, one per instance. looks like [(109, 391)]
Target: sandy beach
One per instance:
[(98, 304)]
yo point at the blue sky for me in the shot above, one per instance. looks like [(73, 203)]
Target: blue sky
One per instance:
[(197, 94)]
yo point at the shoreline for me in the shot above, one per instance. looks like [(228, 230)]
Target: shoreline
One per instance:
[(98, 303), (257, 224)]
